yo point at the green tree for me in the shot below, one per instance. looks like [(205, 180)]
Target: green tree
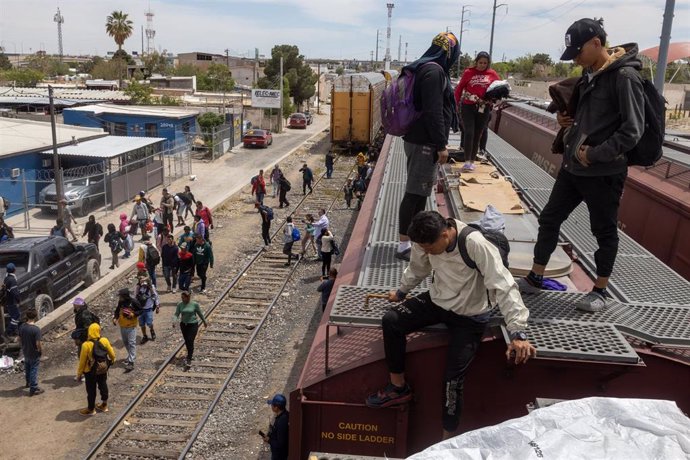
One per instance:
[(119, 26), (46, 64), (168, 100), (139, 93), (187, 70), (209, 120), (542, 58), (217, 78), (302, 79), (524, 65), (156, 63), (23, 77), (339, 70), (561, 69), (109, 70), (503, 68), (288, 106), (5, 63)]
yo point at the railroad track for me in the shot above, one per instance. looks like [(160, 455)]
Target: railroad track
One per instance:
[(165, 418)]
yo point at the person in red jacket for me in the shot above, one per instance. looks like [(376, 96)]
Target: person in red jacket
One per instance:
[(474, 110), (205, 214), (259, 187)]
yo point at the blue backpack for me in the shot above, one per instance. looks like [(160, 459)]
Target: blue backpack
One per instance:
[(269, 211), (397, 104), (296, 235)]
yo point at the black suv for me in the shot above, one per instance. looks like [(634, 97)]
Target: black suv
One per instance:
[(49, 268)]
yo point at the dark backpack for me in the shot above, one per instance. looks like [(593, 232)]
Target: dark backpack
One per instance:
[(287, 186), (397, 104), (100, 358), (6, 202), (269, 212), (153, 257), (496, 238), (648, 150), (115, 244), (254, 180)]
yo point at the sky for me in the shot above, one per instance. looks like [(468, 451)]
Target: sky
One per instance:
[(337, 29)]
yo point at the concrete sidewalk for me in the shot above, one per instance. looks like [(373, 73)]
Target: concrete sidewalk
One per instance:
[(216, 181)]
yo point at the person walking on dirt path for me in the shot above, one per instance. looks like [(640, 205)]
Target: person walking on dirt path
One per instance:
[(308, 238), (93, 231), (326, 287), (259, 187), (140, 214), (425, 143), (114, 241), (188, 313), (126, 313), (167, 206), (278, 432), (284, 186), (68, 219), (348, 192), (152, 258), (265, 223), (203, 259), (319, 226), (83, 318), (171, 262), (199, 225), (186, 264), (307, 178), (288, 240), (329, 160), (97, 355), (30, 339), (276, 173), (189, 202), (148, 299), (207, 217), (12, 298), (124, 223), (327, 249)]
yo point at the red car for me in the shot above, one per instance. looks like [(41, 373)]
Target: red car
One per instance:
[(297, 120), (258, 138)]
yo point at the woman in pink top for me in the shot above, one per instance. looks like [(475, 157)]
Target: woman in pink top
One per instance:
[(474, 110)]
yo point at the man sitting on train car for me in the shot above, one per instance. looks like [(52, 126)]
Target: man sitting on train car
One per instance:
[(460, 297), (609, 121)]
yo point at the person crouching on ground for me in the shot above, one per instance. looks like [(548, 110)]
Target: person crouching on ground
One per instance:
[(97, 355), (189, 313), (460, 297)]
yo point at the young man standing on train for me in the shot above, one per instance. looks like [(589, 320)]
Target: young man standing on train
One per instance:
[(460, 297), (426, 140), (608, 122)]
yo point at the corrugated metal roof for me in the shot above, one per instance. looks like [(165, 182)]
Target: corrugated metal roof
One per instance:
[(106, 147), (66, 93), (42, 100), (19, 136), (141, 110)]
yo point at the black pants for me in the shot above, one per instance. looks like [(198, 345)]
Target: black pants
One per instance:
[(201, 273), (282, 199), (326, 262), (189, 331), (485, 133), (410, 206), (168, 220), (265, 229), (473, 124), (91, 380), (602, 195), (465, 335), (306, 184)]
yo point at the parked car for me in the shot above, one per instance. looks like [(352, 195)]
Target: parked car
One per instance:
[(49, 269), (81, 194), (258, 138), (310, 117), (297, 120)]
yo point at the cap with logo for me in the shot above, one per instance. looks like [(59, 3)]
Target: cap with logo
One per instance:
[(579, 33)]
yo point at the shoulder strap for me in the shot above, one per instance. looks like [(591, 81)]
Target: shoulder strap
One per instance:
[(462, 246)]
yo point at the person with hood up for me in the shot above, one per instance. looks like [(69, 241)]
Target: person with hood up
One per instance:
[(90, 368), (426, 140), (94, 230), (474, 110), (609, 121)]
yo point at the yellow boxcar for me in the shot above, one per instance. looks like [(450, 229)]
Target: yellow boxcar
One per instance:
[(356, 108)]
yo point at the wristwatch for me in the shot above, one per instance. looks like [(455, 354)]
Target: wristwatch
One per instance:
[(518, 335)]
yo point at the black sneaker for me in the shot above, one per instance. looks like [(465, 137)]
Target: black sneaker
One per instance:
[(37, 391), (153, 335), (390, 396), (144, 339), (403, 255)]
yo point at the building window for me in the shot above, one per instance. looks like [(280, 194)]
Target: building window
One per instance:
[(119, 129), (185, 127), (204, 57), (151, 130)]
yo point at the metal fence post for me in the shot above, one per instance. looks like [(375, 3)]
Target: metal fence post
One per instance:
[(25, 193), (105, 190)]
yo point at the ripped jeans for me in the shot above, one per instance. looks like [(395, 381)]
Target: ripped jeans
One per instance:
[(465, 335)]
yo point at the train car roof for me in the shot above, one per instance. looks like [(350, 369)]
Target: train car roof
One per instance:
[(359, 81)]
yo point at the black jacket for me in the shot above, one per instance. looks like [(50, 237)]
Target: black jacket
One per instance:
[(433, 127), (609, 117), (278, 437)]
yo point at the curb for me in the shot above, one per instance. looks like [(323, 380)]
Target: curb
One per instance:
[(61, 313)]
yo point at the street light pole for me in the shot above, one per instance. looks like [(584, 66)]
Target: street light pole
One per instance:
[(662, 59), (465, 8), (493, 23), (56, 159), (280, 111)]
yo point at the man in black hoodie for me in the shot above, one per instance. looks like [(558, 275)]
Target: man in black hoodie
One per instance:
[(427, 137), (608, 122)]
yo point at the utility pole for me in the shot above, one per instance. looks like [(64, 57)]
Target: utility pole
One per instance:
[(493, 24), (387, 58), (662, 59), (372, 60), (465, 8), (318, 90), (377, 47), (56, 159), (399, 47), (405, 53), (280, 112)]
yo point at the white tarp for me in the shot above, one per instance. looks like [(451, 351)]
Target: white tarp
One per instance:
[(591, 428)]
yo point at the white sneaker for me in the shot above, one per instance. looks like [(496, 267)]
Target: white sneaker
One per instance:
[(174, 290)]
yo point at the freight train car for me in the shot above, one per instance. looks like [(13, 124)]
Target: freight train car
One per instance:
[(356, 109)]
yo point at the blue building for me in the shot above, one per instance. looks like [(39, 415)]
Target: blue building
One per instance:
[(175, 124)]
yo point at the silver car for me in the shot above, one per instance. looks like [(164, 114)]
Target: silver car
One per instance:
[(81, 195)]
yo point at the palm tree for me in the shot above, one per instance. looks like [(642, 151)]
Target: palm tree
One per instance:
[(119, 27)]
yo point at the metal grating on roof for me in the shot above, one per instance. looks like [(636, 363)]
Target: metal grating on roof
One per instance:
[(383, 269), (349, 305), (648, 280), (579, 340), (500, 148)]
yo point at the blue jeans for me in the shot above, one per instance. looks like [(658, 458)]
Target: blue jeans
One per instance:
[(170, 274), (31, 373), (146, 318), (184, 280), (260, 197), (152, 273)]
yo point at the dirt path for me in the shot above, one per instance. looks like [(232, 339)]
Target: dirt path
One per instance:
[(49, 426)]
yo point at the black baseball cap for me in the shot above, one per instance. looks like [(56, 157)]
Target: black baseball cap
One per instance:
[(579, 33)]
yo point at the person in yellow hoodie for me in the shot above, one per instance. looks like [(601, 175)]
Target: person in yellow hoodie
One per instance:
[(87, 368)]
